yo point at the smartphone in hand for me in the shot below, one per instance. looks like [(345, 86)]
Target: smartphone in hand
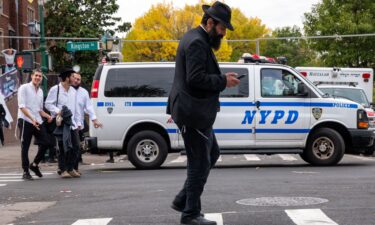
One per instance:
[(241, 76)]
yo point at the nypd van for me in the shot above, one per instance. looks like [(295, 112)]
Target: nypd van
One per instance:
[(273, 110)]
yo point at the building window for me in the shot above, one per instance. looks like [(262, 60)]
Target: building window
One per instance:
[(30, 15), (1, 6)]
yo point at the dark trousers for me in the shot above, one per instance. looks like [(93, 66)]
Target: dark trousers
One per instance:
[(27, 131), (67, 160), (202, 153), (1, 134)]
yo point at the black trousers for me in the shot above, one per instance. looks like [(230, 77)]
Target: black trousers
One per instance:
[(27, 131), (67, 160), (1, 134), (202, 153)]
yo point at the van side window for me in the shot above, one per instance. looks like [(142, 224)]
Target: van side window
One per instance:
[(139, 82), (241, 90), (279, 83)]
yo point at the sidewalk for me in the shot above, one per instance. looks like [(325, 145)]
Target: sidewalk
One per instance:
[(10, 159)]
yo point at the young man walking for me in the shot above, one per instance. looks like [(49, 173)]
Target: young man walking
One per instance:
[(84, 105), (194, 103), (59, 96), (30, 113)]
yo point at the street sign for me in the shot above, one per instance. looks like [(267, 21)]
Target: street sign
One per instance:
[(82, 46)]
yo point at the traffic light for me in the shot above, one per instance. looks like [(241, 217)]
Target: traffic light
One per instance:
[(24, 61)]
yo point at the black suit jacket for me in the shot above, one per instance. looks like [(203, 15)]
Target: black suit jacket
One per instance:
[(194, 97)]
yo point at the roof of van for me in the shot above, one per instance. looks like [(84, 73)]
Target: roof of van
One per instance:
[(169, 63)]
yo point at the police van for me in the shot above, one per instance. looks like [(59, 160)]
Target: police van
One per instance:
[(355, 84), (273, 110)]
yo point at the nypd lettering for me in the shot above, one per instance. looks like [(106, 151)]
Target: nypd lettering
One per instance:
[(272, 117)]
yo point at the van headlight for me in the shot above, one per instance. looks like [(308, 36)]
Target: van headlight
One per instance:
[(362, 119)]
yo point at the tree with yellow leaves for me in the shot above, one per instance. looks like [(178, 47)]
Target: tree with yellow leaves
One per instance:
[(164, 22)]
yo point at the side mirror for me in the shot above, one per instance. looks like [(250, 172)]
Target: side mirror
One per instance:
[(302, 91)]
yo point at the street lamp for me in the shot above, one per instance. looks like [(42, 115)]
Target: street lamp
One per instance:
[(42, 46)]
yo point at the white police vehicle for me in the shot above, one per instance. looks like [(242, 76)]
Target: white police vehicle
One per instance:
[(273, 110)]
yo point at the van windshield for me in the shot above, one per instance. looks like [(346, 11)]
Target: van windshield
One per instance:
[(355, 95), (312, 85)]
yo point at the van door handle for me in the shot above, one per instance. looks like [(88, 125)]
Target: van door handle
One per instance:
[(257, 104)]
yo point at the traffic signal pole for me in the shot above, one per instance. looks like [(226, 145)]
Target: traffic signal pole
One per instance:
[(43, 48)]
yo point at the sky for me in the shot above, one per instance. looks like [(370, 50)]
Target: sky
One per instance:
[(273, 13)]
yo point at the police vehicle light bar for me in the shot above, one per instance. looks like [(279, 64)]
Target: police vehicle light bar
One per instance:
[(254, 58), (354, 84)]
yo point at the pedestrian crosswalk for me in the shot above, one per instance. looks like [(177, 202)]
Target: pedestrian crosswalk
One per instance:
[(6, 178), (294, 216), (176, 159)]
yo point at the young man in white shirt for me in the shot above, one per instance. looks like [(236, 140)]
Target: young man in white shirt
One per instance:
[(64, 95), (30, 113), (84, 105)]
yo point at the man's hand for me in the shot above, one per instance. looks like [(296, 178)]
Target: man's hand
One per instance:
[(232, 79), (49, 119), (36, 124), (97, 124)]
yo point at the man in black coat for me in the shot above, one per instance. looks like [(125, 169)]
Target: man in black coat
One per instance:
[(194, 103)]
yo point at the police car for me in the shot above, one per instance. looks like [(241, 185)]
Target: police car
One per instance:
[(273, 110)]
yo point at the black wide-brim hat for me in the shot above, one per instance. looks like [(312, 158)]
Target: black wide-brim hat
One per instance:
[(66, 71), (220, 12)]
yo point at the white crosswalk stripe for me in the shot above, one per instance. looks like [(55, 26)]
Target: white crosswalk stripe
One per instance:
[(362, 158), (16, 177), (180, 159), (220, 159), (287, 157), (250, 157), (99, 221), (217, 217), (309, 217)]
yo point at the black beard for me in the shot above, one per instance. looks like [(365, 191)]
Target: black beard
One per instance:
[(76, 87), (215, 39)]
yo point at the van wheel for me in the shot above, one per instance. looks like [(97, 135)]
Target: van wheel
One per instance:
[(147, 150), (325, 147)]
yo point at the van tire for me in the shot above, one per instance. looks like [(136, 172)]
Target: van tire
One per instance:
[(147, 150), (325, 147)]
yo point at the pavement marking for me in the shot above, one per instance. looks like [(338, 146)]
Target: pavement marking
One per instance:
[(220, 159), (10, 177), (20, 174), (180, 159), (309, 217), (362, 158), (18, 180), (287, 157), (3, 185), (250, 157), (101, 221), (217, 217)]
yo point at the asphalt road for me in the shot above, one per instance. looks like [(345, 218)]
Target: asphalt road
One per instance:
[(242, 190)]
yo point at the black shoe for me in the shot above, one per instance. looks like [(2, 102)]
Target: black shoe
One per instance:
[(179, 208), (59, 172), (198, 221), (36, 170), (27, 176)]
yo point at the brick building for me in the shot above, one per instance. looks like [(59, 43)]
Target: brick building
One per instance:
[(14, 18)]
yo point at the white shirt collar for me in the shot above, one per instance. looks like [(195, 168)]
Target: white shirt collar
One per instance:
[(203, 28)]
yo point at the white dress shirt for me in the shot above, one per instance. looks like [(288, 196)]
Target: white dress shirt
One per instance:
[(84, 105), (31, 99), (67, 98)]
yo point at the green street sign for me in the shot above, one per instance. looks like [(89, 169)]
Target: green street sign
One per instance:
[(82, 46)]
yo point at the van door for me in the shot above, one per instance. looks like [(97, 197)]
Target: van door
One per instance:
[(232, 129), (283, 114)]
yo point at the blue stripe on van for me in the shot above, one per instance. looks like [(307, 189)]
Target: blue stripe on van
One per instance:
[(100, 104), (282, 131), (244, 104)]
